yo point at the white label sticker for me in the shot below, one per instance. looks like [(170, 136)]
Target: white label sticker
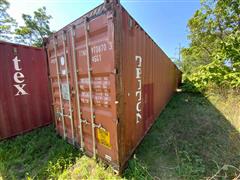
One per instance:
[(65, 91), (62, 61)]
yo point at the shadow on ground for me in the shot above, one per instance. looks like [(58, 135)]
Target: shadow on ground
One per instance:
[(190, 140)]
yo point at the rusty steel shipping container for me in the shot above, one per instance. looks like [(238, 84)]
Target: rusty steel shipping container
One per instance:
[(24, 95), (110, 81)]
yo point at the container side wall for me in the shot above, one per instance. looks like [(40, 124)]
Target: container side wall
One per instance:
[(149, 79), (24, 95)]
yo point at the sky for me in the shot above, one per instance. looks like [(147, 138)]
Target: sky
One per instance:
[(164, 20)]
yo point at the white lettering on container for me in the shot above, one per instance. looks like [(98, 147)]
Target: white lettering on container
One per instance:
[(138, 93), (18, 78), (97, 50)]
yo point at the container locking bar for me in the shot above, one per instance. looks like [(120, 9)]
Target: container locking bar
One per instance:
[(53, 98), (90, 85), (68, 83), (59, 86), (77, 88)]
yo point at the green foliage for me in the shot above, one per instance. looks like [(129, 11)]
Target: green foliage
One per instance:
[(191, 139), (195, 137), (137, 170), (7, 24), (86, 168), (39, 155), (36, 28), (190, 166), (55, 168), (42, 154), (213, 56), (215, 73), (177, 62)]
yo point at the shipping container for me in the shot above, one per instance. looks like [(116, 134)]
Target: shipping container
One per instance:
[(25, 92), (110, 81)]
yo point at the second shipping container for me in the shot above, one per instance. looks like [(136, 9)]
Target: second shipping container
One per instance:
[(110, 81), (24, 89)]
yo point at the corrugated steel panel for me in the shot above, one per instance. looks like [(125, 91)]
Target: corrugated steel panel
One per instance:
[(24, 95), (110, 82)]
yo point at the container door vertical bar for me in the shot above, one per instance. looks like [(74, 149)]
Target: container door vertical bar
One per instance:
[(77, 88), (51, 81), (68, 83), (59, 88), (90, 87), (53, 98)]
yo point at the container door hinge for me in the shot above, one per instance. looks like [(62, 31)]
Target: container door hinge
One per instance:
[(115, 71), (116, 120)]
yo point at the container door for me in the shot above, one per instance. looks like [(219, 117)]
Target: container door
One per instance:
[(61, 81), (93, 69)]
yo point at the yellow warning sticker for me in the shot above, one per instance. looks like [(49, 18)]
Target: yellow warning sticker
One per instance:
[(104, 138)]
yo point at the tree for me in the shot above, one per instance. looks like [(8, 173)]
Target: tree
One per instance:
[(177, 62), (7, 24), (36, 28), (214, 33)]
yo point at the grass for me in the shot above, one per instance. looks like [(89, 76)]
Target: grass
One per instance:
[(195, 137), (39, 154)]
